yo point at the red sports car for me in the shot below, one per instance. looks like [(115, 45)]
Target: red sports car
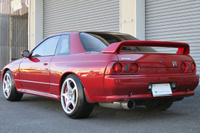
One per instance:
[(113, 69)]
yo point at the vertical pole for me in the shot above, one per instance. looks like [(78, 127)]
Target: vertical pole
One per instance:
[(11, 29)]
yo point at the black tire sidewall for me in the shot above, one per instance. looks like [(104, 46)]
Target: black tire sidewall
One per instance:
[(82, 104)]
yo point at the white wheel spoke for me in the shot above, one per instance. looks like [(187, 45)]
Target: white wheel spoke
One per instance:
[(8, 92), (4, 85), (5, 82), (69, 95), (73, 103), (68, 104), (74, 96), (64, 94), (68, 85), (74, 91), (4, 90), (9, 85)]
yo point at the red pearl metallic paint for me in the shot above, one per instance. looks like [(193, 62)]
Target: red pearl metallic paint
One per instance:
[(43, 75), (34, 70)]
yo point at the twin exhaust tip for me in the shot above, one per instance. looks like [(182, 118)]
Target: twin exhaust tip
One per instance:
[(127, 104)]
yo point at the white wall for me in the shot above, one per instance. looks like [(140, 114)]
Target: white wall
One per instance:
[(35, 23), (133, 18)]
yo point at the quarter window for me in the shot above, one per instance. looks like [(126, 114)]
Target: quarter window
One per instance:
[(46, 48), (63, 46)]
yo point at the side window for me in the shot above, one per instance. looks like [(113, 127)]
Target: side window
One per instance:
[(63, 46), (46, 48)]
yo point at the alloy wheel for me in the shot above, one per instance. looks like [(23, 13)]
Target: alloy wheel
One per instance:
[(7, 85), (69, 95)]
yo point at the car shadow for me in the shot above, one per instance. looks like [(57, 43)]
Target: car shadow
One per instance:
[(41, 102), (139, 113)]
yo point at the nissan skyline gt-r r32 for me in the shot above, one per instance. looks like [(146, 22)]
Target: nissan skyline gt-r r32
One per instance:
[(113, 69)]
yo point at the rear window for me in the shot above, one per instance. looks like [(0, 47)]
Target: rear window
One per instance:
[(95, 41), (133, 49), (143, 49), (98, 41), (92, 43)]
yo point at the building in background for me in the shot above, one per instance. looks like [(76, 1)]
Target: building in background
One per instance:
[(163, 20), (13, 20)]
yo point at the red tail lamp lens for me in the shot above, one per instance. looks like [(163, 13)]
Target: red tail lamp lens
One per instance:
[(117, 67), (183, 67), (192, 67), (134, 67)]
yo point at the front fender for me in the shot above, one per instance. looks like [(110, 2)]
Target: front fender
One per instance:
[(14, 68)]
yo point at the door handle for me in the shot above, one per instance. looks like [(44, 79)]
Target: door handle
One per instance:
[(45, 63)]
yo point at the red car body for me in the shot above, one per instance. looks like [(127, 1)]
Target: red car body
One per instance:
[(43, 76)]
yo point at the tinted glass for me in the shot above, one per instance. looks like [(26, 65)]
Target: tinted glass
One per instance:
[(133, 49), (97, 41), (63, 46), (92, 42), (46, 48)]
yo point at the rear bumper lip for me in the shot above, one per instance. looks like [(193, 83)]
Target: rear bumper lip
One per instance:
[(146, 96)]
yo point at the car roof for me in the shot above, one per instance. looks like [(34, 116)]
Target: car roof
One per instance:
[(90, 32)]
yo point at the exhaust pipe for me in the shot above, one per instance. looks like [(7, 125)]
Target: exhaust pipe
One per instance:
[(127, 104)]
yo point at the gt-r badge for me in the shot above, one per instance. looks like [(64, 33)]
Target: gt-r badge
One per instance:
[(174, 63)]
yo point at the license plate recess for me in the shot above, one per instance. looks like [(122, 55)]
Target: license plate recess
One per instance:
[(161, 89)]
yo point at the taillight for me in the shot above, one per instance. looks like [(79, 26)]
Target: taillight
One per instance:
[(188, 67), (117, 68), (122, 68), (134, 67), (183, 67), (193, 67)]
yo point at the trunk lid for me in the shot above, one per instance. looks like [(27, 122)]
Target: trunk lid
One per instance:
[(155, 60)]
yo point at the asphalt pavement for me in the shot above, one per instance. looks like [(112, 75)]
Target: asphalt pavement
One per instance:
[(34, 114)]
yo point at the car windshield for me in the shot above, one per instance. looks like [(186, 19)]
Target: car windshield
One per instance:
[(97, 41)]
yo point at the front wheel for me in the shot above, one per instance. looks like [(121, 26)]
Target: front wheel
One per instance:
[(73, 98), (9, 89)]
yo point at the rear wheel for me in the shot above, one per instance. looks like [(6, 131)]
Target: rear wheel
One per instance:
[(73, 98), (9, 89), (160, 107)]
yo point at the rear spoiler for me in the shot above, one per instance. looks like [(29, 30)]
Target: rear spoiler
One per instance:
[(183, 48)]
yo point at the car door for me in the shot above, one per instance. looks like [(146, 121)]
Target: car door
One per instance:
[(34, 71)]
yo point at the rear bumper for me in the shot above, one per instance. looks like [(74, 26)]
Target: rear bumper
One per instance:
[(122, 87)]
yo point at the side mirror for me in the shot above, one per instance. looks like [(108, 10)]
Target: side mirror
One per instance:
[(25, 53)]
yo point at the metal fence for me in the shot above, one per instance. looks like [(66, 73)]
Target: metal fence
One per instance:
[(18, 28)]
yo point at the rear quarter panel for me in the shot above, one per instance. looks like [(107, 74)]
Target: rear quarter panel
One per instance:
[(88, 67)]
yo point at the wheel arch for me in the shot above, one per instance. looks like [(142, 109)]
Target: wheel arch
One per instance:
[(3, 72), (85, 90)]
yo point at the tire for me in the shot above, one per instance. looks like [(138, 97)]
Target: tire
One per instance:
[(73, 99), (9, 89), (159, 107)]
